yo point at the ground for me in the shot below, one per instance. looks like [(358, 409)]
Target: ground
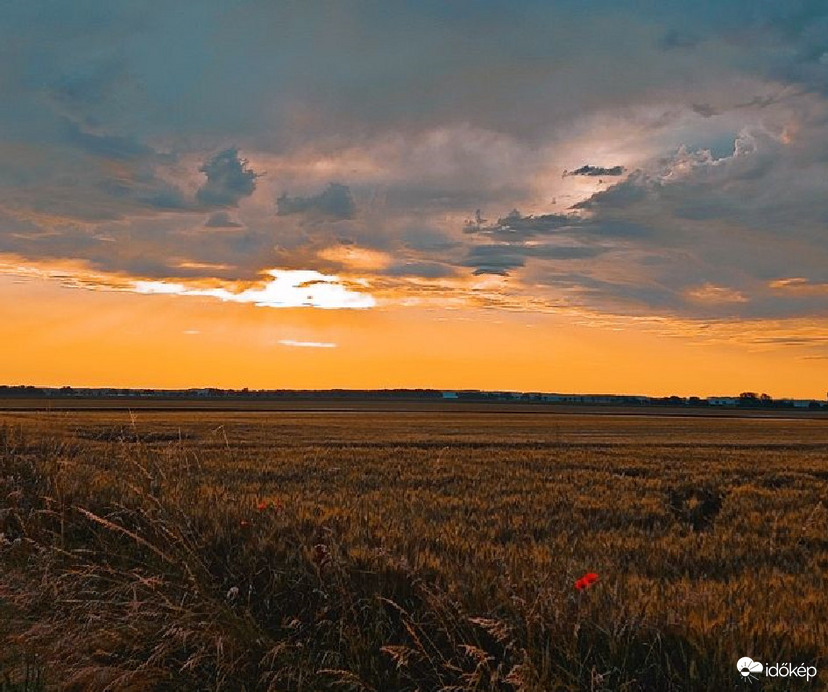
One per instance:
[(393, 549)]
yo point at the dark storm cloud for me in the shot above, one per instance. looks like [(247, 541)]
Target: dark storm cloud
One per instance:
[(686, 222), (334, 202), (113, 113), (426, 270), (596, 171), (221, 219), (705, 110), (229, 179), (216, 71), (501, 259), (494, 259), (674, 39), (133, 64), (105, 146), (515, 226), (143, 190), (426, 239), (800, 30), (621, 195), (88, 85), (688, 235)]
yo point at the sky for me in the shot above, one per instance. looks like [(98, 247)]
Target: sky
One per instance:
[(589, 196)]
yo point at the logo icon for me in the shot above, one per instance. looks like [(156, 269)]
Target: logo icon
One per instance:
[(747, 667)]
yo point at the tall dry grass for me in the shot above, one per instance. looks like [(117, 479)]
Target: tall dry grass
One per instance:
[(278, 556)]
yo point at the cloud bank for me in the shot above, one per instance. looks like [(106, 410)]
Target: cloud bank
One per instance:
[(666, 163)]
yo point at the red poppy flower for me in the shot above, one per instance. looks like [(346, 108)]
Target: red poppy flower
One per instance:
[(586, 581), (262, 506)]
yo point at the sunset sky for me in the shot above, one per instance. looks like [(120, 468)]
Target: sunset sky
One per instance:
[(626, 197)]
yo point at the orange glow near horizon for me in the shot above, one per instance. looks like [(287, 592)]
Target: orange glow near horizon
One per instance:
[(597, 202), (56, 335)]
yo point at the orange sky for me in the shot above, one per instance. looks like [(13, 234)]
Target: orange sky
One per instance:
[(536, 196), (54, 335)]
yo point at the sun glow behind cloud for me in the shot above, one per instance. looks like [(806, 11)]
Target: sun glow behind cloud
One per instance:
[(287, 289)]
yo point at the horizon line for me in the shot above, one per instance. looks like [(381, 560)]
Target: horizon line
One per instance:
[(210, 390)]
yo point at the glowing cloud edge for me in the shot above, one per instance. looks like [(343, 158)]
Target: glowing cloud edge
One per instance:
[(287, 289)]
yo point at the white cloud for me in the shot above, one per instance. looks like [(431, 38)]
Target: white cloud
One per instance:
[(287, 289), (307, 344)]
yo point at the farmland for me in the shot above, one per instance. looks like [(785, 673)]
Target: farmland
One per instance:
[(409, 550)]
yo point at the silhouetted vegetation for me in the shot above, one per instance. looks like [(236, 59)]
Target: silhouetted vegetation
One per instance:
[(123, 397)]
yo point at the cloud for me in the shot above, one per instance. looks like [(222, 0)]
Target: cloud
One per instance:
[(221, 219), (353, 257), (424, 239), (105, 146), (596, 171), (502, 258), (285, 289), (710, 293), (229, 180), (799, 286), (110, 133), (675, 39), (79, 87), (515, 226), (307, 344), (427, 270), (512, 230), (708, 222), (705, 110), (334, 202), (621, 195)]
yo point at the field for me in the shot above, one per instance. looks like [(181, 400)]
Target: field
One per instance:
[(404, 550)]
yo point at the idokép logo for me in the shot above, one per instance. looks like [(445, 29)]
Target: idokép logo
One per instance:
[(748, 668), (751, 670)]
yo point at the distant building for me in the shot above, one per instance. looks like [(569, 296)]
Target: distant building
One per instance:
[(722, 400), (450, 395)]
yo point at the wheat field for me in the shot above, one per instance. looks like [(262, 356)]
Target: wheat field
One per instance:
[(391, 550)]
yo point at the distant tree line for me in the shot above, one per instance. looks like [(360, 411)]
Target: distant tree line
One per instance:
[(744, 400)]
